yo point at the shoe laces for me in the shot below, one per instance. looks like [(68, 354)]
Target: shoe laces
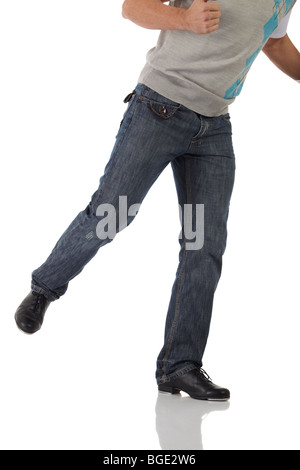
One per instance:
[(205, 374), (39, 301)]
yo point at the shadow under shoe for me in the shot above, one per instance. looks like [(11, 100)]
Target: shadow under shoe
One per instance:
[(30, 315), (198, 385)]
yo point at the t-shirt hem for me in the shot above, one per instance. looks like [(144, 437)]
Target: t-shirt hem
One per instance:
[(159, 85)]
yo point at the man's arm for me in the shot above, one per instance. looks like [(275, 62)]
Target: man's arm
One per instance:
[(284, 55), (201, 17)]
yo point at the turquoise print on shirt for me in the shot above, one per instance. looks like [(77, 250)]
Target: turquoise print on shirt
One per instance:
[(269, 28)]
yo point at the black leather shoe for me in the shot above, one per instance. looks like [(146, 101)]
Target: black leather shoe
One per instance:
[(198, 385), (30, 315)]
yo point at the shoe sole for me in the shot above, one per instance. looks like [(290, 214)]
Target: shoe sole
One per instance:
[(175, 391), (196, 398)]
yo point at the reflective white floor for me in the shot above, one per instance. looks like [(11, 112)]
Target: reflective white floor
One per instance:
[(179, 421), (55, 401)]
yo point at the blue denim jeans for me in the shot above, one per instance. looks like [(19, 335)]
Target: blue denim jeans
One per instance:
[(156, 131)]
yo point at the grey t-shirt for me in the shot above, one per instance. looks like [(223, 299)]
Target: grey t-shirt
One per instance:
[(206, 72)]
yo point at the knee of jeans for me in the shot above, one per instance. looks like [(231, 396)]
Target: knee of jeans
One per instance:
[(215, 252), (92, 207), (89, 210), (111, 218)]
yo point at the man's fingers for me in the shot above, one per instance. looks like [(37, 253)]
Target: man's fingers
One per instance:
[(211, 29), (214, 15), (214, 6), (214, 23), (203, 17)]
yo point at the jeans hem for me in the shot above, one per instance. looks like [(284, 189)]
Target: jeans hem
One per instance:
[(46, 294), (178, 373)]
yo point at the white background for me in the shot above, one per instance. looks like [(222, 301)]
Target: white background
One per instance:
[(86, 380)]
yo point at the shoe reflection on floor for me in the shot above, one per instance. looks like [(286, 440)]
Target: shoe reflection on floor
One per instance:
[(179, 420)]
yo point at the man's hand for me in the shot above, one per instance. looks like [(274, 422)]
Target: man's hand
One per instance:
[(203, 17)]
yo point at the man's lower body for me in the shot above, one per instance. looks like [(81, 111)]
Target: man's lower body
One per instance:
[(156, 131)]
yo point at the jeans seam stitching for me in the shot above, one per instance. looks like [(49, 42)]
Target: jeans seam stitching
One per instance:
[(113, 163), (169, 343), (204, 127)]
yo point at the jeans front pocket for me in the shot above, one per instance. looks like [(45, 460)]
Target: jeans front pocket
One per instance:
[(161, 106), (163, 110)]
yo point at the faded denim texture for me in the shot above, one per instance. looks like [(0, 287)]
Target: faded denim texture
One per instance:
[(156, 132)]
